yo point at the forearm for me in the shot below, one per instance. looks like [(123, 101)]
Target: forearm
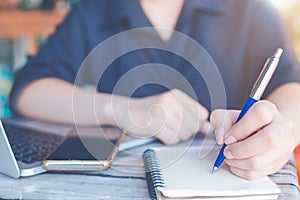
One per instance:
[(287, 100), (59, 101)]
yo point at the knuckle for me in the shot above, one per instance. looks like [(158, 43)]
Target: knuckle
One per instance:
[(237, 153), (272, 139), (184, 133), (212, 117), (285, 126), (169, 141), (185, 137), (204, 114), (263, 113), (250, 175), (167, 138), (194, 127), (218, 113), (217, 117), (255, 164), (268, 103), (178, 93), (289, 125), (272, 106)]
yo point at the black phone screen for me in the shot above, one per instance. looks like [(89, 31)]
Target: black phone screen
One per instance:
[(90, 149)]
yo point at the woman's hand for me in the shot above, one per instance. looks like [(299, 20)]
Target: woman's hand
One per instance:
[(172, 116), (259, 144)]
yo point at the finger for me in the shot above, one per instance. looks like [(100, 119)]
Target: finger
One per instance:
[(259, 162), (190, 121), (174, 122), (195, 126), (166, 114), (205, 127), (158, 118), (182, 126), (193, 114), (264, 140), (222, 120), (256, 174), (190, 104), (185, 133), (168, 137), (259, 115), (188, 128)]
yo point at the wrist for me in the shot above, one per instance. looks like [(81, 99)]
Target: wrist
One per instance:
[(103, 109), (287, 98), (110, 109)]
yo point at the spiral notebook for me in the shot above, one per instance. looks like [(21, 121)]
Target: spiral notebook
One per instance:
[(179, 173)]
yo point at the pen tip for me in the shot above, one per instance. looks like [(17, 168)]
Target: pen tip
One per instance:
[(214, 169)]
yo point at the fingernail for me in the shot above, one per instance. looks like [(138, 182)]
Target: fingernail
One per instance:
[(228, 154), (220, 135), (230, 140)]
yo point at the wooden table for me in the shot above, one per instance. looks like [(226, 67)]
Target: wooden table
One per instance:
[(29, 24), (125, 180)]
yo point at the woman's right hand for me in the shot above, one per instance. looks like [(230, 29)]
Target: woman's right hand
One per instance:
[(171, 116)]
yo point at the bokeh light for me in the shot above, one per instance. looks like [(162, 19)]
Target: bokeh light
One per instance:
[(281, 4)]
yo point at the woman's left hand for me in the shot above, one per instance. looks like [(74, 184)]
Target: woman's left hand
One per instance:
[(259, 144)]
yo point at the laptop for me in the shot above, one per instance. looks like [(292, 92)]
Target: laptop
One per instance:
[(23, 149), (29, 147)]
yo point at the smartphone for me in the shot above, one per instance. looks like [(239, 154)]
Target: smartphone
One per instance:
[(85, 153)]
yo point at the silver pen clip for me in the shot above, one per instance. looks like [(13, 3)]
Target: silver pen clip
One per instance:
[(266, 75)]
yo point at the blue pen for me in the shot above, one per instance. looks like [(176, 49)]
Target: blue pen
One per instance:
[(256, 93)]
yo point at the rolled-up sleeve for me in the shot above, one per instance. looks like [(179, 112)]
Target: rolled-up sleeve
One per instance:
[(60, 56)]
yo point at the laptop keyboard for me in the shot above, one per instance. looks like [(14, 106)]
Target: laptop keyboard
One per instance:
[(30, 146)]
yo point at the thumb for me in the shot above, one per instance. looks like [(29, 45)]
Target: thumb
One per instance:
[(222, 120)]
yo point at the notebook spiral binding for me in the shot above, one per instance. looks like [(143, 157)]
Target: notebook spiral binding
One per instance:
[(154, 176)]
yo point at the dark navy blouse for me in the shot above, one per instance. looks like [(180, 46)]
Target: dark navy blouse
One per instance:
[(238, 36)]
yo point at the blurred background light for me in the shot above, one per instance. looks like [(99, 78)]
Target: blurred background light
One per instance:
[(281, 4)]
